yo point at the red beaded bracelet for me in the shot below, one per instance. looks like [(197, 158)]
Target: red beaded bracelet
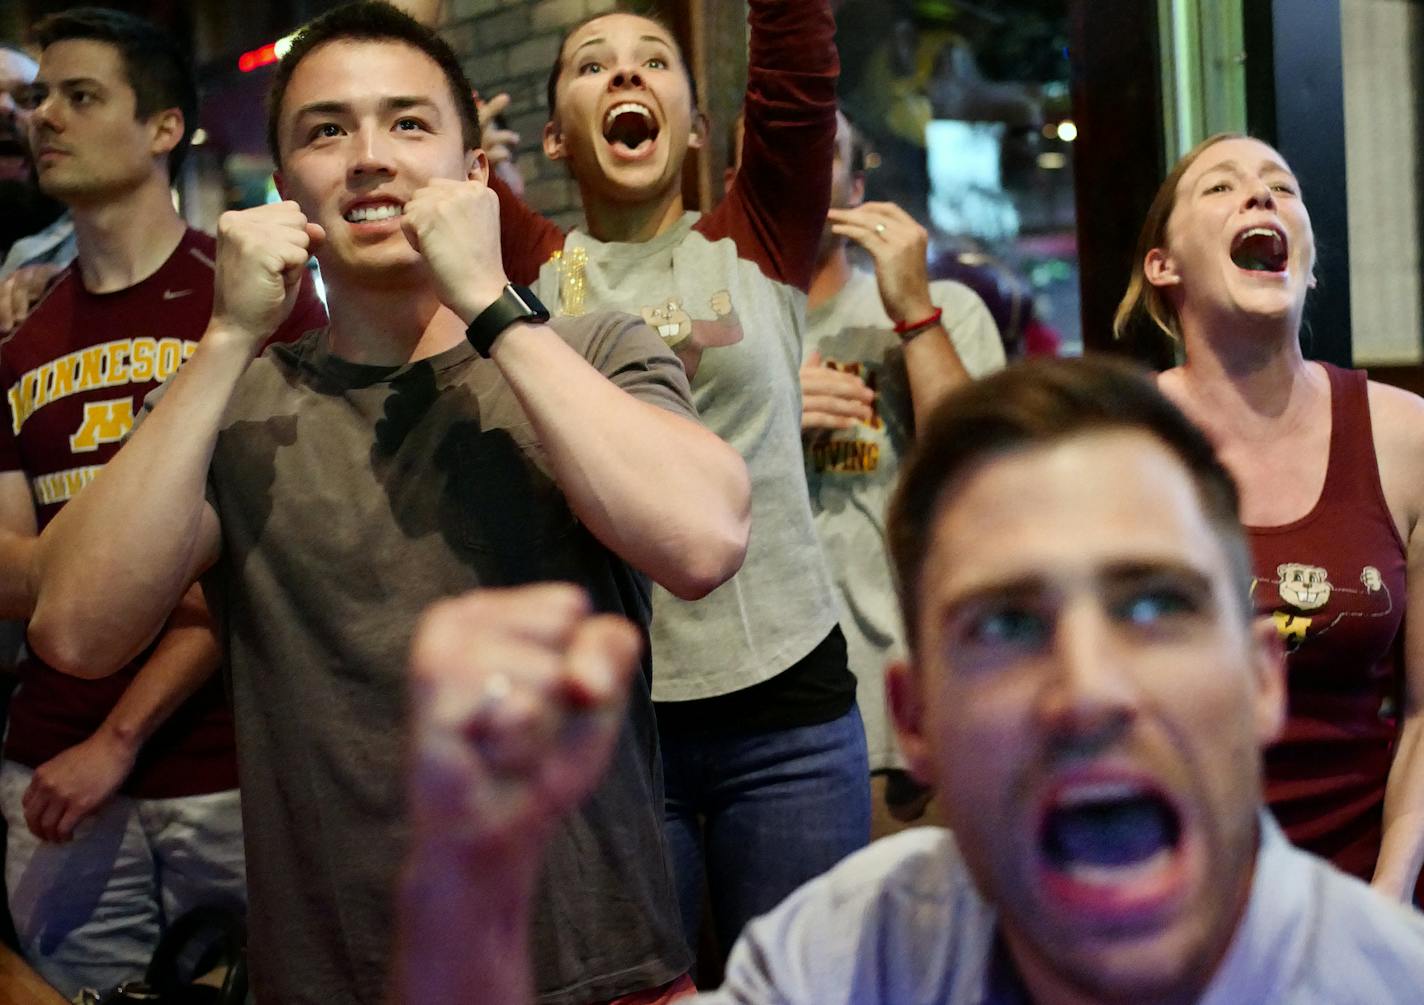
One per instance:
[(905, 327)]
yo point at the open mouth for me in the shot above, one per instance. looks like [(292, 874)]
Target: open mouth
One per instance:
[(373, 212), (1112, 850), (629, 125), (1260, 249)]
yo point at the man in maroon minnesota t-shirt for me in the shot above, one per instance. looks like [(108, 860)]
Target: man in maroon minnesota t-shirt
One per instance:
[(120, 794)]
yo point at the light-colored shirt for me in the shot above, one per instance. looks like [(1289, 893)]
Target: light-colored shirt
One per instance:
[(52, 246), (901, 923), (851, 472)]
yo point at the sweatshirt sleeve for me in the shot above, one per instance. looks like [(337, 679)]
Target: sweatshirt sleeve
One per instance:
[(777, 207)]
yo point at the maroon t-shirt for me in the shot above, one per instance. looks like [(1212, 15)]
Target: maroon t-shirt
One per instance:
[(74, 375), (1334, 583)]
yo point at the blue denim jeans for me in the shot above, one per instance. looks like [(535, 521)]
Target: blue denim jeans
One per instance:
[(761, 813), (90, 912)]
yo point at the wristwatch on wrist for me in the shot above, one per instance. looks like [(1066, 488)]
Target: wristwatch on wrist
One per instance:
[(516, 303)]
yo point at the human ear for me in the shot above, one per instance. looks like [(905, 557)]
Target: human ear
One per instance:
[(1160, 269), (696, 138), (554, 147), (905, 698), (167, 131), (1268, 664), (476, 166)]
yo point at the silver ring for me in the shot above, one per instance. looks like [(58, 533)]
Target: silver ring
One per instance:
[(880, 229), (493, 692)]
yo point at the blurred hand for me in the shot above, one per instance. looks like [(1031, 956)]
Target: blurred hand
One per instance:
[(898, 248), (832, 399), (518, 699), (70, 786), (21, 290)]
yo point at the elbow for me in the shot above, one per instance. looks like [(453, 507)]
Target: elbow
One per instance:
[(58, 638), (714, 559)]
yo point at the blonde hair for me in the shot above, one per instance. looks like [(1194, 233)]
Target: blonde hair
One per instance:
[(1143, 301)]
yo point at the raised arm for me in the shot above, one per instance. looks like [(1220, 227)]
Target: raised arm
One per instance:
[(898, 245), (657, 488), (516, 698), (70, 786), (155, 486), (777, 206)]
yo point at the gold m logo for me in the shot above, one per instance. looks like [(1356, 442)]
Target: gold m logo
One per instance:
[(104, 422)]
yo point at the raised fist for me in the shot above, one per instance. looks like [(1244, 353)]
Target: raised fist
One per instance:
[(455, 227), (517, 698), (261, 255)]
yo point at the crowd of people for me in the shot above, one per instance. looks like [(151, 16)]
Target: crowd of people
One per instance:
[(542, 616)]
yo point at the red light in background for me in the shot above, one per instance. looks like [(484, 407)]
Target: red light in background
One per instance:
[(250, 61)]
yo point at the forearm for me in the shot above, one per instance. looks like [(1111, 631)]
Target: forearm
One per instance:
[(17, 579), (155, 489), (185, 658), (463, 927), (934, 368), (1402, 847), (660, 490)]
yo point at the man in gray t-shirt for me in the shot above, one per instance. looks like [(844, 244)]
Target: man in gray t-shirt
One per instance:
[(437, 436), (1086, 690)]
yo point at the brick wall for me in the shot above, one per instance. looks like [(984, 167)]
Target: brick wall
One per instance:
[(509, 45)]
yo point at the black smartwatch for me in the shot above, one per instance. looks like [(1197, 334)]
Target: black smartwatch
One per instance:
[(516, 303)]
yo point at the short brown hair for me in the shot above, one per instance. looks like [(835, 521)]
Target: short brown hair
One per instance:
[(373, 21), (1144, 302), (157, 68), (1037, 403)]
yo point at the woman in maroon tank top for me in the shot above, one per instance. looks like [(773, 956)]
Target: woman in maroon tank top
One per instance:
[(1331, 472)]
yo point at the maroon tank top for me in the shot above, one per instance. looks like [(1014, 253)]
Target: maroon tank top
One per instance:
[(1333, 581)]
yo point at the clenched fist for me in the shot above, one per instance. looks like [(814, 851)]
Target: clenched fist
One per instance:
[(517, 698), (455, 227), (262, 253)]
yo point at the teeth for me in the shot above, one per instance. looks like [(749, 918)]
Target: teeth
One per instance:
[(1099, 792), (669, 331), (1261, 232), (363, 214), (627, 106)]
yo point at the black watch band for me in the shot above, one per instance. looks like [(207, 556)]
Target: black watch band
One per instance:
[(516, 303)]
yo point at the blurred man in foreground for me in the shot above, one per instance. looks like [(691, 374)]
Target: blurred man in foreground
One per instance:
[(1086, 691)]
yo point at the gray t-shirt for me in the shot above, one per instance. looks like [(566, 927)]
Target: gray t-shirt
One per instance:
[(350, 498), (740, 332), (851, 472), (901, 923)]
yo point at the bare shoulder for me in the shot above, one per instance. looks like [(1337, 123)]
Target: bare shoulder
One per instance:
[(1397, 424), (1397, 417)]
